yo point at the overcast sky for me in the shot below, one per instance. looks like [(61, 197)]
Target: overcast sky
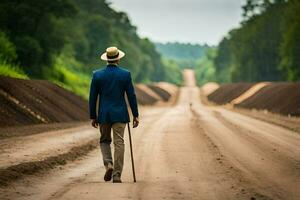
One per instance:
[(196, 21)]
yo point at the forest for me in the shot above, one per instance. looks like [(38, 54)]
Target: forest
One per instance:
[(266, 46), (61, 41), (185, 55)]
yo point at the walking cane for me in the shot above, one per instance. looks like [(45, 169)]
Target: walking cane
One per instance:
[(131, 152)]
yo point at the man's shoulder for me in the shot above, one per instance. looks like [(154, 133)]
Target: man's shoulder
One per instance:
[(98, 71), (123, 70), (101, 72)]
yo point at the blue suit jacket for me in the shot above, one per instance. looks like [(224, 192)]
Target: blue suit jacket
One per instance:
[(110, 84)]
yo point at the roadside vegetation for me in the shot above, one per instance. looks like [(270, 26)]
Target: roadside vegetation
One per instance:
[(12, 71), (62, 41), (7, 57), (266, 46)]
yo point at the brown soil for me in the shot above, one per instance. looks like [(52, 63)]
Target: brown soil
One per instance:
[(144, 98), (283, 98), (292, 123), (170, 88), (227, 92), (209, 88), (14, 172), (288, 122), (26, 102), (165, 95), (15, 131)]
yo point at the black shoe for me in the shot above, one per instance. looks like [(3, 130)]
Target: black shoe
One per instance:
[(108, 174), (117, 179)]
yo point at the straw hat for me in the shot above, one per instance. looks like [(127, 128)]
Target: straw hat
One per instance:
[(112, 54)]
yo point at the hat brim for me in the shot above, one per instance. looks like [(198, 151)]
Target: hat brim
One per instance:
[(104, 56)]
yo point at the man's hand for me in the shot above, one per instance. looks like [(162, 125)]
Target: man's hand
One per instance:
[(135, 122), (94, 123)]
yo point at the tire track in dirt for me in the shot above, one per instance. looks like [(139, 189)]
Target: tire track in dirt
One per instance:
[(267, 175), (14, 172), (37, 147), (229, 172), (257, 140), (279, 170)]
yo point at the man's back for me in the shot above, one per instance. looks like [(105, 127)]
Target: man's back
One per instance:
[(111, 84)]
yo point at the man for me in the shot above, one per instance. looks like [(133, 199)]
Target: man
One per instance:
[(111, 84)]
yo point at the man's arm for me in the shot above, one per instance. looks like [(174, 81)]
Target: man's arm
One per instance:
[(93, 102), (132, 101)]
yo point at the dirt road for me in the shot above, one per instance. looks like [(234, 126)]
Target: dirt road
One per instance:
[(187, 151)]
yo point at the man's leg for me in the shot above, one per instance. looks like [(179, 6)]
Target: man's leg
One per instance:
[(105, 141), (118, 136)]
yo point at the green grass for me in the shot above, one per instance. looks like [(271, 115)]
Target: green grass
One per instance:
[(61, 74), (68, 74), (76, 82), (73, 81), (12, 71)]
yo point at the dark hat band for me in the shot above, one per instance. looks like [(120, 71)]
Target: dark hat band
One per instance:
[(112, 57)]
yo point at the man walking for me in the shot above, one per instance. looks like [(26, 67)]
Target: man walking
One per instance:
[(111, 84)]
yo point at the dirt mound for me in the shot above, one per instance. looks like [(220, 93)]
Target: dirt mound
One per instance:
[(164, 91), (161, 92), (145, 96), (169, 87), (249, 93), (209, 88), (283, 98), (25, 102), (156, 92), (227, 92)]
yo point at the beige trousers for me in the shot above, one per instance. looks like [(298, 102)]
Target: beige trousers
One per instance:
[(118, 140)]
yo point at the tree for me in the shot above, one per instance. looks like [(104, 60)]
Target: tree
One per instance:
[(290, 47), (33, 27), (252, 52), (7, 49)]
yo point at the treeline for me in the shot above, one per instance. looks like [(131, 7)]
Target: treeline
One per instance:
[(61, 40), (186, 55), (195, 56), (266, 47), (181, 51), (205, 68)]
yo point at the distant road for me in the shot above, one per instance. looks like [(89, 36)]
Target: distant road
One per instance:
[(187, 151)]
